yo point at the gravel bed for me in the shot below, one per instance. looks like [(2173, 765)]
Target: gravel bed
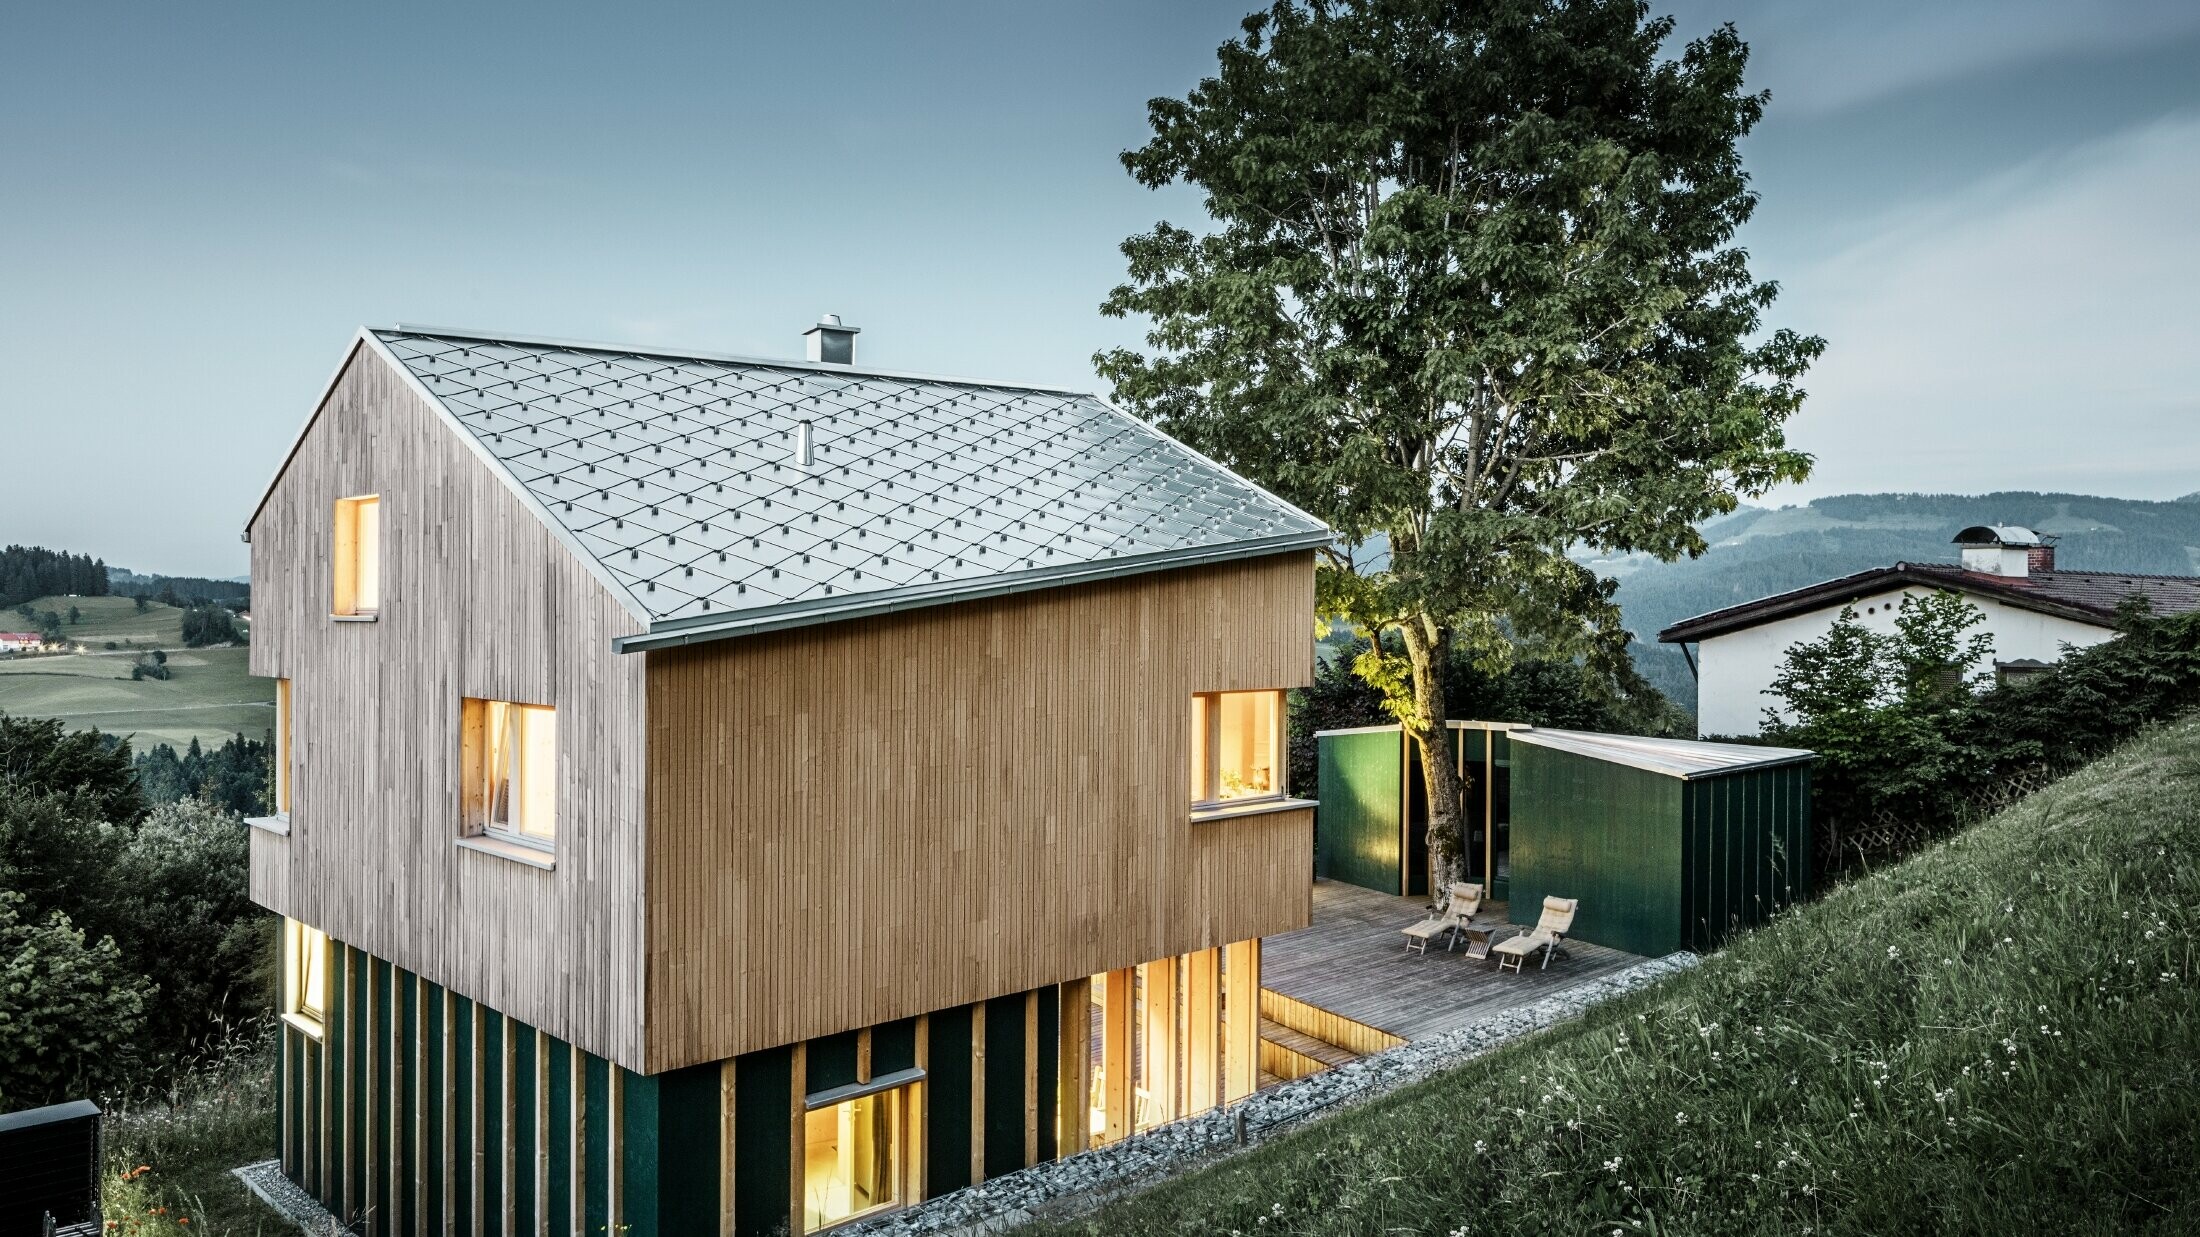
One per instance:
[(1082, 1182), (266, 1181)]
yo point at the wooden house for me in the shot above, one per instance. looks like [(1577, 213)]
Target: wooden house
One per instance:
[(742, 796)]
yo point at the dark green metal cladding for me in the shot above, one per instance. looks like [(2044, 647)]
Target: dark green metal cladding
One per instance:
[(763, 1087), (490, 1155), (947, 1103), (893, 1046), (379, 1200), (356, 1030), (459, 1014), (559, 1205), (831, 1062), (1748, 849), (521, 1188), (671, 1152), (433, 1014), (1050, 1068), (1004, 1084), (1605, 833), (596, 1104), (1356, 827)]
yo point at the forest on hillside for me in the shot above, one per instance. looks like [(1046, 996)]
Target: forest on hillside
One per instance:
[(1759, 551), (28, 572)]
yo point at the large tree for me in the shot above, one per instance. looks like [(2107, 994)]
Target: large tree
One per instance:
[(1467, 290)]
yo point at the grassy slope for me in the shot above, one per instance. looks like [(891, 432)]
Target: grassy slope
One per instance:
[(169, 1160), (210, 698), (2001, 1035)]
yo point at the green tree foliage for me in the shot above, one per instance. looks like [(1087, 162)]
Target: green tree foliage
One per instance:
[(142, 603), (162, 899), (71, 1012), (204, 625), (153, 665), (1531, 687), (38, 755), (28, 572), (1469, 286), (233, 776), (1912, 743)]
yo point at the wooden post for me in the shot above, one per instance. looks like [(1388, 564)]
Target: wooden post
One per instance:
[(1160, 1055), (448, 1110), (508, 1104), (542, 1133), (423, 1110), (576, 1152), (919, 1146), (614, 1145), (1115, 1049), (478, 1120), (977, 1093), (798, 1137), (1241, 1020), (1203, 1030), (349, 1211), (726, 1112), (1031, 1078), (1073, 1122)]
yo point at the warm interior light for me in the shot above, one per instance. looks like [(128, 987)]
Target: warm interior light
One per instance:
[(519, 792), (1235, 746), (851, 1159)]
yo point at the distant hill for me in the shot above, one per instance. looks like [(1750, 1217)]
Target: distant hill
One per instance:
[(190, 588), (1759, 551)]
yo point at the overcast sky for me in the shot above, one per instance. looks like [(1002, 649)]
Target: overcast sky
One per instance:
[(1988, 208)]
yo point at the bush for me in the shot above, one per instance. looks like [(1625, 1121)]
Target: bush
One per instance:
[(70, 1011), (205, 625), (181, 895)]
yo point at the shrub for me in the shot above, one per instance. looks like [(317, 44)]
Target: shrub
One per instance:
[(70, 1011)]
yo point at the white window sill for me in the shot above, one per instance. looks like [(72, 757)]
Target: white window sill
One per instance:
[(531, 856), (278, 824), (1248, 807), (353, 618), (303, 1025)]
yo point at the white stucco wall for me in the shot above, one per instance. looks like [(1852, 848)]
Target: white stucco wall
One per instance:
[(1734, 670)]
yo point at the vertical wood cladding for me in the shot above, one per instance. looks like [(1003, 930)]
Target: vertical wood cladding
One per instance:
[(862, 821), (478, 599)]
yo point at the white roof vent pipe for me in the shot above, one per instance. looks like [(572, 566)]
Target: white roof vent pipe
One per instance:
[(804, 441), (832, 342)]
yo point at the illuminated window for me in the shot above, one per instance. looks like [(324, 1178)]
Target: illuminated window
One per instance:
[(1237, 742), (853, 1158), (282, 747), (305, 977), (512, 771), (358, 555)]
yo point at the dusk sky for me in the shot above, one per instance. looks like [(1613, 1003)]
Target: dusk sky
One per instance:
[(1988, 209)]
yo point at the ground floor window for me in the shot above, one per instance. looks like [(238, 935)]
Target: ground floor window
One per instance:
[(854, 1154), (305, 976)]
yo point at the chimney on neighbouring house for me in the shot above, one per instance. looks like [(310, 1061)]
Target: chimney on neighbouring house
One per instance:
[(831, 342), (2005, 550)]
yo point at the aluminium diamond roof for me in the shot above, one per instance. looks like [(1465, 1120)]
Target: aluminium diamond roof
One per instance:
[(677, 475)]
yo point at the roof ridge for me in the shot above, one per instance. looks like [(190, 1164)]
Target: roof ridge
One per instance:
[(614, 347)]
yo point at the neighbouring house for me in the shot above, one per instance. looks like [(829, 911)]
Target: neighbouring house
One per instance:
[(21, 642), (2033, 611), (721, 795)]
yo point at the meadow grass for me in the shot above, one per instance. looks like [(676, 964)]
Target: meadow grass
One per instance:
[(169, 1156), (2000, 1035), (112, 618), (211, 696)]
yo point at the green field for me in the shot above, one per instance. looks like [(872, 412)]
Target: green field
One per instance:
[(210, 697), (2001, 1035)]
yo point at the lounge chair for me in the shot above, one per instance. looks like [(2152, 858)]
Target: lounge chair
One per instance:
[(1557, 920), (1465, 900)]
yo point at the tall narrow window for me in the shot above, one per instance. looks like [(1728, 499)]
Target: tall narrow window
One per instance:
[(853, 1158), (1237, 745), (512, 771), (305, 977), (282, 747), (358, 556)]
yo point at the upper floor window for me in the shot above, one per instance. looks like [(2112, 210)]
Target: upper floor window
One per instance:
[(358, 555), (282, 747), (1237, 745), (305, 976), (511, 759)]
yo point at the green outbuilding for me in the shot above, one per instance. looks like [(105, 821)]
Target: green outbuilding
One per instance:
[(1668, 843)]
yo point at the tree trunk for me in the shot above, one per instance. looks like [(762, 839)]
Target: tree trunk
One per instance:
[(1428, 648)]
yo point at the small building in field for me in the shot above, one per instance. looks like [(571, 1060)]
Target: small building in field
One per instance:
[(1668, 843), (2034, 611), (21, 642)]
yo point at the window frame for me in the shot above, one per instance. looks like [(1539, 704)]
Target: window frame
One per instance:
[(1207, 740), (479, 715), (346, 569), (302, 942), (906, 1089)]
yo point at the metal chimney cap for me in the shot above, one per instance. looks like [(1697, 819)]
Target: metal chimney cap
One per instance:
[(832, 341), (832, 322)]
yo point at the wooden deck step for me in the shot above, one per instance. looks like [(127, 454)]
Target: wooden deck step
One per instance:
[(1294, 1054)]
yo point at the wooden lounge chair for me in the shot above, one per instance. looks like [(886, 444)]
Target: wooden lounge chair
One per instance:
[(1557, 920), (1465, 900)]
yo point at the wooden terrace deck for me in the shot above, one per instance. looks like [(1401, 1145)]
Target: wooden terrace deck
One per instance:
[(1352, 962)]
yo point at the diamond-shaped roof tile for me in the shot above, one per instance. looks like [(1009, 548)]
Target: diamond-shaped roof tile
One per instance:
[(677, 474)]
